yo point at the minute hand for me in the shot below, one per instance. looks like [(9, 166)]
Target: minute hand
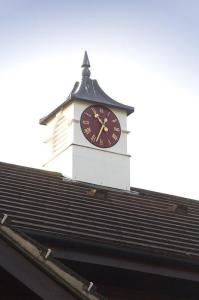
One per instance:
[(100, 132), (103, 127)]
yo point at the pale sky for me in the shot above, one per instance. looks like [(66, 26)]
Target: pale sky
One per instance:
[(144, 53)]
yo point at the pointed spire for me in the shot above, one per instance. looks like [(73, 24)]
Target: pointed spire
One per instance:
[(86, 62), (86, 65)]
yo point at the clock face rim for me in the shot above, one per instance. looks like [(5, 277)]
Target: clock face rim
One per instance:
[(87, 136)]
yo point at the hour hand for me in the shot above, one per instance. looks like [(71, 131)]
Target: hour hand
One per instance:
[(97, 117)]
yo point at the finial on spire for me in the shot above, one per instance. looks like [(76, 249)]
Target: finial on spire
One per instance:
[(86, 62), (86, 66)]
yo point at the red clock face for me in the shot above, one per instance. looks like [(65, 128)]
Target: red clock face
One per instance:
[(100, 126)]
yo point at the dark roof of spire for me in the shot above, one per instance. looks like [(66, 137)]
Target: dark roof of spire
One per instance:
[(90, 91)]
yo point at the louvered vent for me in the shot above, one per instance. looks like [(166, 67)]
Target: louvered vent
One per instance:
[(59, 140)]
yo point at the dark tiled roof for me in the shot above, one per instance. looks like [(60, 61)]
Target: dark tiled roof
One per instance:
[(45, 203)]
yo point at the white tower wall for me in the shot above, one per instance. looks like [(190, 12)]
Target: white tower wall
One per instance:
[(71, 153)]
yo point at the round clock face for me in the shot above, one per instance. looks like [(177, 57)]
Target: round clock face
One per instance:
[(100, 126)]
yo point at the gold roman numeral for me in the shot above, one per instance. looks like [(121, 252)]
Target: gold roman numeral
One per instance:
[(101, 110), (101, 142), (87, 130), (114, 136), (116, 129), (109, 142), (87, 114), (93, 109), (93, 138), (85, 122), (114, 120)]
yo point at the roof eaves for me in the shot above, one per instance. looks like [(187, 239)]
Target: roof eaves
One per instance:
[(36, 255)]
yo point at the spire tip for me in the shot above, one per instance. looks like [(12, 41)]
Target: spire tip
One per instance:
[(86, 65), (86, 62)]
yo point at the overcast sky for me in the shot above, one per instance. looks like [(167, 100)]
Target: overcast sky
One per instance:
[(144, 53)]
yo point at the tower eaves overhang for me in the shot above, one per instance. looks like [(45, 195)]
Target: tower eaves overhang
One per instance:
[(90, 91)]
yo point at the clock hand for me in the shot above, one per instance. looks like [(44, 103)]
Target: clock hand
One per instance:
[(97, 117), (102, 127), (105, 120)]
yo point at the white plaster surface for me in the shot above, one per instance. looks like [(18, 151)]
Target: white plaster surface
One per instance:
[(80, 160), (101, 167)]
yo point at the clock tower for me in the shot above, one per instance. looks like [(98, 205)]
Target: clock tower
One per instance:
[(87, 136)]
